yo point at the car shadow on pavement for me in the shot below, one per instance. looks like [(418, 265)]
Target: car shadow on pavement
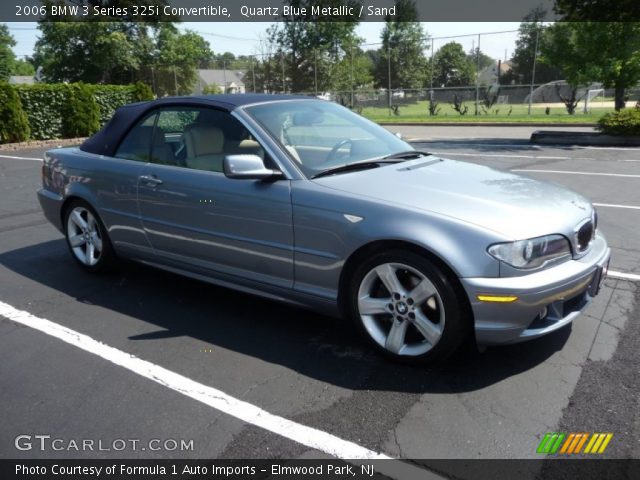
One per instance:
[(313, 345)]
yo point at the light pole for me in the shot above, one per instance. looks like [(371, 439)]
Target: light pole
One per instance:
[(533, 70)]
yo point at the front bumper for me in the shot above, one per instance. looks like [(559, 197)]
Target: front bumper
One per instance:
[(561, 292)]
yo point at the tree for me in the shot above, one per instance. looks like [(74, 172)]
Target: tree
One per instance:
[(452, 67), (7, 58), (402, 52), (598, 10), (177, 57), (112, 50), (522, 60), (352, 73), (23, 67), (476, 56), (608, 52), (91, 52), (309, 50)]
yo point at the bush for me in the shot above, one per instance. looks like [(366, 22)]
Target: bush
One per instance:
[(142, 92), (624, 122), (211, 89), (50, 114), (43, 105), (14, 126), (80, 112), (111, 97)]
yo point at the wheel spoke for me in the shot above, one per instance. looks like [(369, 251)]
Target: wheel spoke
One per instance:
[(427, 328), (372, 306), (395, 339), (77, 240), (388, 276), (91, 250), (422, 291), (78, 220), (91, 223), (97, 241)]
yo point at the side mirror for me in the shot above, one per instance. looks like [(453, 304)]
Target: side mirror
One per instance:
[(248, 167)]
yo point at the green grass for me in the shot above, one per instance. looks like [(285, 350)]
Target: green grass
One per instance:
[(419, 112)]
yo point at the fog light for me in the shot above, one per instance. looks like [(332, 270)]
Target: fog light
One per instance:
[(497, 298)]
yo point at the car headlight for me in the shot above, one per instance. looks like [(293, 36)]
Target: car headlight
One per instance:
[(532, 253)]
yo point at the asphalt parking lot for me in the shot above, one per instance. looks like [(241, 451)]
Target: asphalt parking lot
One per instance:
[(302, 367)]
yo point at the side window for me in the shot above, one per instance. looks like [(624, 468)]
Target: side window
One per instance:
[(197, 138), (137, 143), (213, 135), (168, 146)]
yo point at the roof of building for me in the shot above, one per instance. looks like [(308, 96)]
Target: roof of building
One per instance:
[(22, 79), (221, 77)]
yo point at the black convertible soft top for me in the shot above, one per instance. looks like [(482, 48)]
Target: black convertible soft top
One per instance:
[(106, 140)]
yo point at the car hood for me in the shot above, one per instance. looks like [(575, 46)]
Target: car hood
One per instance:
[(512, 205)]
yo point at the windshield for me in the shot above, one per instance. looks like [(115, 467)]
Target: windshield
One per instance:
[(321, 135)]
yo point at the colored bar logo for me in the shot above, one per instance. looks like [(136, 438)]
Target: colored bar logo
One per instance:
[(573, 443)]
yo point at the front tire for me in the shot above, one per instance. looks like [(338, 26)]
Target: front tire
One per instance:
[(407, 308), (87, 238)]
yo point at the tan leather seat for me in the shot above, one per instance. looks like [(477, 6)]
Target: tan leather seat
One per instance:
[(205, 147)]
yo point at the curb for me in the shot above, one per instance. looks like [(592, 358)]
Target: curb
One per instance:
[(63, 142), (583, 138), (484, 124)]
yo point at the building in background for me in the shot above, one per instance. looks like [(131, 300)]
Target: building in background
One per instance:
[(489, 75), (227, 81)]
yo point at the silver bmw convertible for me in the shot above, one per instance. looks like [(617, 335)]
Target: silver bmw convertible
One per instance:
[(303, 201)]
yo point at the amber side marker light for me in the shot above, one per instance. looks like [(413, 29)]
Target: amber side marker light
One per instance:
[(497, 298)]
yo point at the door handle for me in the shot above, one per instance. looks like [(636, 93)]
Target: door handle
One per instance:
[(150, 180)]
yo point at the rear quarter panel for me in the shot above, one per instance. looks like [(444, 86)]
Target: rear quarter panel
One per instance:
[(108, 184)]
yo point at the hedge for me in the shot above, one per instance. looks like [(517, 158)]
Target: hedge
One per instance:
[(624, 122), (71, 110), (14, 126)]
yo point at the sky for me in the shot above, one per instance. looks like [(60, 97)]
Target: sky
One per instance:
[(241, 38)]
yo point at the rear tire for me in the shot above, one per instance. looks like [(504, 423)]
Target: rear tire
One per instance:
[(406, 307), (87, 238)]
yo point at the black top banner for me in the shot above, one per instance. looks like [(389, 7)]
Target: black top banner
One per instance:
[(313, 10)]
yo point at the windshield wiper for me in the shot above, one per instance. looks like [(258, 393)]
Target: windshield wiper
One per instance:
[(407, 154), (348, 168)]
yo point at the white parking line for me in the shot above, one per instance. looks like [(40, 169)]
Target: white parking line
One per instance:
[(20, 158), (613, 205), (597, 174), (212, 397), (624, 276)]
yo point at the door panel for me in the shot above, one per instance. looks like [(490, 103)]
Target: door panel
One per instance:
[(204, 219)]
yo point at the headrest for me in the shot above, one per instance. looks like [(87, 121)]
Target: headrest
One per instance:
[(203, 139)]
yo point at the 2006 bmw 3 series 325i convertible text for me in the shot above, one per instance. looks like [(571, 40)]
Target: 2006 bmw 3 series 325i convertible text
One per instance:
[(303, 201)]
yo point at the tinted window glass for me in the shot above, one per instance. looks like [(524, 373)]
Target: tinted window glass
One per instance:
[(197, 138)]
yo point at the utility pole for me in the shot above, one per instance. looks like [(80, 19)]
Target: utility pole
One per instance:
[(315, 70), (175, 81), (533, 71), (351, 55), (432, 53), (389, 76), (283, 85), (478, 75), (224, 73), (253, 73)]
